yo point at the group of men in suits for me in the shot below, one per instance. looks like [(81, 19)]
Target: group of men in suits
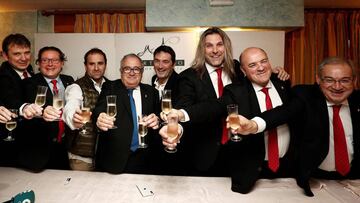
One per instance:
[(287, 126), (256, 156)]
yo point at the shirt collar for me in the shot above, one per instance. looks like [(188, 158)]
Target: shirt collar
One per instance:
[(158, 85), (48, 80), (210, 68), (330, 104), (257, 87), (96, 84)]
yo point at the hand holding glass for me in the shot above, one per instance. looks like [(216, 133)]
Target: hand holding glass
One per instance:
[(40, 96), (234, 121), (172, 130), (111, 107), (11, 124), (142, 130)]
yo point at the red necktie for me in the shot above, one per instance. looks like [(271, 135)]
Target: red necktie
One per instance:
[(61, 122), (341, 154), (25, 74), (273, 150), (225, 134)]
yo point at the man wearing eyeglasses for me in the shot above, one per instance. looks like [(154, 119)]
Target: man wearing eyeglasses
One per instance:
[(327, 116), (118, 149), (44, 147)]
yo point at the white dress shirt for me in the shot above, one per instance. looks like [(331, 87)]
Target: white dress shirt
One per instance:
[(328, 163), (73, 100), (282, 130), (160, 87)]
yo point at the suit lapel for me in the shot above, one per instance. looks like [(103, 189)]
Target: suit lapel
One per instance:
[(208, 84)]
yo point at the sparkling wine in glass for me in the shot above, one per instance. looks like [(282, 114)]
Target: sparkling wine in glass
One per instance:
[(234, 121), (111, 107), (40, 96), (142, 130), (172, 130), (58, 100), (85, 114), (166, 101), (11, 124)]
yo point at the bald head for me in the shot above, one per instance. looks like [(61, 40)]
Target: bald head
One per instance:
[(256, 66)]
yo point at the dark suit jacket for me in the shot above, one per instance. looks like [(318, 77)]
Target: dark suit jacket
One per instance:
[(11, 95), (38, 135), (11, 86), (113, 150), (202, 134), (171, 84), (247, 156), (310, 112)]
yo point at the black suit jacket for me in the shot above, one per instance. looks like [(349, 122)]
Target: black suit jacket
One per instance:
[(309, 110), (11, 96), (11, 86), (202, 134), (247, 156), (38, 135), (113, 150)]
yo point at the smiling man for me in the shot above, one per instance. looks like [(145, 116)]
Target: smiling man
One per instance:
[(44, 146), (118, 149), (84, 93), (327, 117), (164, 64)]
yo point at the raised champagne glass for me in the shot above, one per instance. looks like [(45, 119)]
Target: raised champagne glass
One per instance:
[(172, 130), (166, 102), (234, 121), (40, 96), (111, 107), (58, 100), (85, 114), (11, 124), (142, 130)]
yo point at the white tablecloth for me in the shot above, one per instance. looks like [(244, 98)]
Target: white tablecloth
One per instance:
[(76, 186)]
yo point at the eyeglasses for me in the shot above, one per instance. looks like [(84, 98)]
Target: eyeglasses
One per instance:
[(332, 81), (47, 61), (135, 69)]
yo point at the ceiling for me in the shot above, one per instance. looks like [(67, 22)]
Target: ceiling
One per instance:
[(19, 5)]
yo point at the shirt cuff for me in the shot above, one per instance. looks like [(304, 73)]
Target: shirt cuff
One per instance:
[(260, 123), (21, 113), (186, 116)]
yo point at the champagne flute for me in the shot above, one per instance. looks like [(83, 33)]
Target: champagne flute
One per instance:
[(111, 107), (172, 130), (166, 102), (40, 96), (234, 121), (11, 124), (142, 130), (85, 114), (58, 100)]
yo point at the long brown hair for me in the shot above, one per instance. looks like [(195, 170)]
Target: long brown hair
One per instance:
[(199, 62)]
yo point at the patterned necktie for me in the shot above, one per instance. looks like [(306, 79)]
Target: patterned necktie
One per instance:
[(135, 138), (273, 150), (341, 154), (61, 122), (225, 133)]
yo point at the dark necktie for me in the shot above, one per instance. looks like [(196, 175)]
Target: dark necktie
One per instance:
[(341, 154), (273, 150), (135, 138), (25, 74), (61, 122), (225, 133)]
